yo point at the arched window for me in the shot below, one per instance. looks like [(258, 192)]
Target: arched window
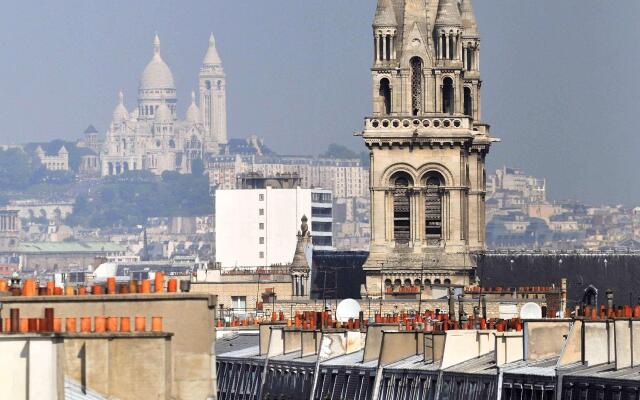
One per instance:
[(468, 102), (401, 208), (433, 204), (448, 99), (416, 85), (397, 282), (447, 282), (385, 95), (469, 57), (407, 282), (387, 283), (207, 84), (590, 296)]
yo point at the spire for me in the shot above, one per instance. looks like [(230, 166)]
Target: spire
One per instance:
[(448, 13), (193, 112), (469, 19), (385, 15), (300, 263), (120, 113), (212, 57), (156, 44)]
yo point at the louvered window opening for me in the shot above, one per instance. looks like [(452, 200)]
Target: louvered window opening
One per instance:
[(401, 212), (433, 208)]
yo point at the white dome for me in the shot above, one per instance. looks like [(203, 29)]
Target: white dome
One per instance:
[(193, 112), (120, 113), (163, 114), (156, 74)]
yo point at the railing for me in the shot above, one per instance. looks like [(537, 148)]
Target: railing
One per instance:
[(440, 121)]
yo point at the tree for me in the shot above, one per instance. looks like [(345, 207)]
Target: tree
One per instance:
[(339, 151), (15, 169)]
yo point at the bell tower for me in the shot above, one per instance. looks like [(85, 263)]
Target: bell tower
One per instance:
[(427, 145), (213, 96)]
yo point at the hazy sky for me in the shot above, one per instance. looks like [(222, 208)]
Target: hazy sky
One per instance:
[(560, 85)]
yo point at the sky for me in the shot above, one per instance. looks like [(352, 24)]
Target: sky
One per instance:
[(559, 76)]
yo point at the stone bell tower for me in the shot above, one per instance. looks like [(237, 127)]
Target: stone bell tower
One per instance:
[(427, 145)]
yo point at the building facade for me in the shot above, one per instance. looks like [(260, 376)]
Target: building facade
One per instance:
[(54, 162), (151, 137), (253, 226), (427, 143)]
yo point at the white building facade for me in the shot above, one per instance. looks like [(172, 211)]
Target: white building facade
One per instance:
[(151, 137), (257, 227)]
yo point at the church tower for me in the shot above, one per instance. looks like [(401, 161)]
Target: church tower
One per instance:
[(213, 96), (427, 145)]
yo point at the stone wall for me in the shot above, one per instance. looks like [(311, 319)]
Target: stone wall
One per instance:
[(251, 290), (189, 316)]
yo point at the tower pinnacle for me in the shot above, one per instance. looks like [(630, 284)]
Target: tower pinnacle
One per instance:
[(385, 15), (468, 19), (156, 44), (448, 13), (212, 57)]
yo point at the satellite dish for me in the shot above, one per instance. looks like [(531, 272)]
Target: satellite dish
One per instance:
[(348, 308), (531, 311)]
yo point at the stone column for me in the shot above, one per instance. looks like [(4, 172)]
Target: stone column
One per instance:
[(438, 89), (456, 218), (458, 92), (388, 214), (464, 57), (393, 48), (384, 47), (414, 218), (447, 38), (375, 48)]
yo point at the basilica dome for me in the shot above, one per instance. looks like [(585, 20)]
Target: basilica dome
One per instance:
[(163, 114), (156, 74)]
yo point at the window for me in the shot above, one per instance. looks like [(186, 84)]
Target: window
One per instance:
[(385, 96), (262, 240), (448, 98), (239, 302), (261, 197), (261, 211), (322, 241), (401, 208), (468, 102), (433, 204), (261, 254), (261, 225), (416, 85), (321, 197), (321, 226), (322, 212)]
